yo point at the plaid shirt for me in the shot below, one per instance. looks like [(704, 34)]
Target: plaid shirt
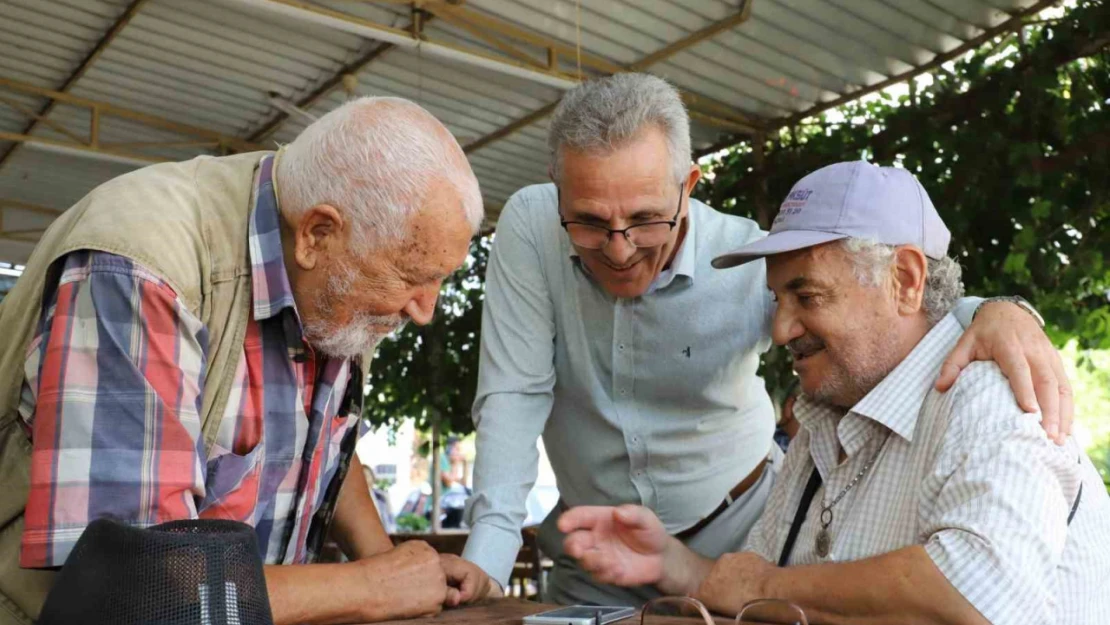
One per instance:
[(112, 397), (963, 473)]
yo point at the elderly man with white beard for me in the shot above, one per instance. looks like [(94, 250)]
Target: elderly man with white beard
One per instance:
[(186, 343), (896, 503)]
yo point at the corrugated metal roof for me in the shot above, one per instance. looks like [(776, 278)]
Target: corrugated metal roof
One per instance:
[(213, 64)]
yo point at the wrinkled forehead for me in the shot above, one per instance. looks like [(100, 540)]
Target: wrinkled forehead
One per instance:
[(631, 175), (819, 266)]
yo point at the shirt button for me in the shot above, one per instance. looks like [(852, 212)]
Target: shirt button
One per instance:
[(624, 391), (621, 347)]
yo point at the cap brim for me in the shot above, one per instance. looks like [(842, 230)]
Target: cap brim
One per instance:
[(776, 243)]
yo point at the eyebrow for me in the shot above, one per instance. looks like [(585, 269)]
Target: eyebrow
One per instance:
[(643, 214), (802, 282), (588, 217), (648, 213), (425, 277)]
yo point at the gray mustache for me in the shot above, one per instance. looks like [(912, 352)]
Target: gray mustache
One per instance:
[(393, 322), (804, 345)]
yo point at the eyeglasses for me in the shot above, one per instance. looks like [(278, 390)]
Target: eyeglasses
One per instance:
[(690, 611), (594, 237)]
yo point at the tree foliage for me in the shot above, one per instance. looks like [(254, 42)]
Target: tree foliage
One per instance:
[(1012, 144)]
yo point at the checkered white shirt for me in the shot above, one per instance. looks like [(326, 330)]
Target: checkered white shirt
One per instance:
[(964, 473)]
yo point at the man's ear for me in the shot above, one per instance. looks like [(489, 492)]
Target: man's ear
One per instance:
[(320, 233), (910, 272), (692, 178)]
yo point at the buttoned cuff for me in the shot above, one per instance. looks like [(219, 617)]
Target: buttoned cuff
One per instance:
[(493, 549)]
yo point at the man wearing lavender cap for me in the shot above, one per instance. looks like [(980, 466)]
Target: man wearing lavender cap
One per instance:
[(896, 503)]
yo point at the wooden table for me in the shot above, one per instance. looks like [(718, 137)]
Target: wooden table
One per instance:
[(510, 612), (496, 612)]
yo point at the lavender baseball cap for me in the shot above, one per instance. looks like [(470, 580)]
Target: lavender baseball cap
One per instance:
[(851, 200)]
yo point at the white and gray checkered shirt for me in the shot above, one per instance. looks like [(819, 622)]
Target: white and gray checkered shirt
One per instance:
[(964, 473)]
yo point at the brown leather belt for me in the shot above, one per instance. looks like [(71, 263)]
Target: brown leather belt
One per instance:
[(742, 487)]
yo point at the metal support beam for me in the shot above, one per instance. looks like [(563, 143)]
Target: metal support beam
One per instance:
[(99, 109), (510, 128), (37, 117), (16, 239), (497, 42), (458, 13), (353, 68), (1015, 22), (697, 37), (701, 108), (55, 145), (82, 67), (27, 206), (29, 235), (530, 69), (338, 20), (21, 234), (713, 112)]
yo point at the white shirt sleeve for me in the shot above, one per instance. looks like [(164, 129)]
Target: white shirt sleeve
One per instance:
[(998, 526), (516, 378)]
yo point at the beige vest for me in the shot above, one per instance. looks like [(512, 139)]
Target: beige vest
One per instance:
[(186, 222)]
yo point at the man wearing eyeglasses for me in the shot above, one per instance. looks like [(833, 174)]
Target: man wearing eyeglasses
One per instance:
[(606, 330)]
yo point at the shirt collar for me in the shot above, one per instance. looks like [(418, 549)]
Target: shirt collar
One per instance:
[(269, 280), (896, 401), (684, 263), (685, 259)]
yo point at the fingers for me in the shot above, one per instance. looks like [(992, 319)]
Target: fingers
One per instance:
[(453, 599), (452, 568), (583, 518), (601, 566), (468, 586), (1015, 366), (578, 543), (1067, 401), (463, 578), (634, 517), (960, 357), (1048, 393), (591, 555)]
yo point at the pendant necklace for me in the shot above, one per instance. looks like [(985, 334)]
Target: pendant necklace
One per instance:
[(824, 539)]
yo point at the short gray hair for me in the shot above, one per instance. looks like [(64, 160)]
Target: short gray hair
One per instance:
[(871, 262), (603, 114), (376, 159)]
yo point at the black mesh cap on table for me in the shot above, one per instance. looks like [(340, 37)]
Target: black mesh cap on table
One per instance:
[(205, 572)]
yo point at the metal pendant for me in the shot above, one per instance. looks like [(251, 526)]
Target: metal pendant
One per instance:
[(824, 539), (823, 543)]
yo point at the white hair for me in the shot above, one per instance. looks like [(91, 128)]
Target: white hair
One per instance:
[(871, 262), (603, 114), (375, 159)]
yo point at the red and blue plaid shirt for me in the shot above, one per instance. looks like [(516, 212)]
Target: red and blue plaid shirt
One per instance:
[(112, 397)]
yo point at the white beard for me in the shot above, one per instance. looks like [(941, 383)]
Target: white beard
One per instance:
[(354, 338)]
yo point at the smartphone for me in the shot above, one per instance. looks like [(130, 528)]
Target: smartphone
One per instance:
[(581, 615)]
